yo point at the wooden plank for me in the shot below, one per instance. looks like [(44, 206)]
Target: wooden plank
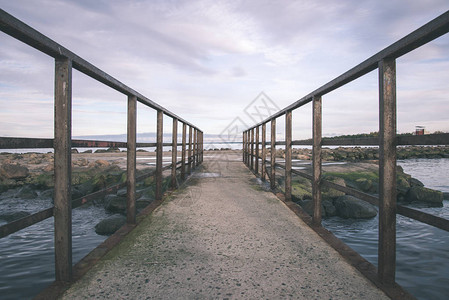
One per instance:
[(131, 161), (63, 161), (316, 161), (264, 152), (252, 150), (183, 151), (288, 155), (189, 158), (387, 171), (159, 155), (195, 141), (174, 153), (273, 155), (256, 167)]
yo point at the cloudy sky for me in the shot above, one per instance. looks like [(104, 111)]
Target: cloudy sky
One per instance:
[(209, 61)]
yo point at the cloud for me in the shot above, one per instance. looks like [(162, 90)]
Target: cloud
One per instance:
[(207, 60)]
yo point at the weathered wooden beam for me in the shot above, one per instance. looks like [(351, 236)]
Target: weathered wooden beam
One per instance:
[(183, 151), (387, 171), (189, 158), (316, 161), (252, 150), (131, 161), (159, 155), (273, 155), (264, 151), (195, 148), (288, 155), (256, 167), (174, 153), (63, 161)]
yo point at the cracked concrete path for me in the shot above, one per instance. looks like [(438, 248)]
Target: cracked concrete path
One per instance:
[(223, 237)]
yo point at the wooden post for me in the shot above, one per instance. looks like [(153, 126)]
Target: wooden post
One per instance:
[(264, 152), (174, 153), (252, 150), (198, 142), (131, 162), (243, 147), (62, 164), (273, 154), (257, 151), (195, 141), (316, 160), (387, 171), (159, 155), (189, 153), (245, 138), (288, 155), (183, 152)]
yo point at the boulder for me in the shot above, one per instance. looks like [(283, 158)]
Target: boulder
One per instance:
[(14, 171), (307, 206), (422, 194), (115, 204), (329, 208), (351, 207), (330, 193), (110, 225)]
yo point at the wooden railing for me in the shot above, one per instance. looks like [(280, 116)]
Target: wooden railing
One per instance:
[(385, 62), (65, 61)]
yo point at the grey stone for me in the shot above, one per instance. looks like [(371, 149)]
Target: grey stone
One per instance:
[(115, 204), (14, 171), (422, 194), (110, 225), (26, 192), (351, 207)]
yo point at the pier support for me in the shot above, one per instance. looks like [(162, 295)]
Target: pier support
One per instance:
[(264, 152), (387, 171), (62, 163), (252, 150), (273, 154), (189, 154), (257, 151), (131, 162), (159, 155), (316, 160), (174, 153), (288, 155), (183, 152)]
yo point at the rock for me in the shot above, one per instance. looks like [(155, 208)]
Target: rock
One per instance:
[(110, 225), (415, 182), (100, 163), (9, 217), (115, 204), (75, 151), (329, 193), (88, 151), (422, 194), (47, 194), (49, 168), (81, 162), (329, 208), (14, 171), (142, 203), (350, 207), (307, 205), (26, 192)]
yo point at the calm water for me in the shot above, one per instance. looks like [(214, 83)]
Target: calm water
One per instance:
[(422, 250), (27, 256)]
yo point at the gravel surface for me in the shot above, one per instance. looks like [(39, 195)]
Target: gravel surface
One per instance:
[(222, 236)]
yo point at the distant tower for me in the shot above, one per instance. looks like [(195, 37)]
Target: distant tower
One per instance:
[(419, 130)]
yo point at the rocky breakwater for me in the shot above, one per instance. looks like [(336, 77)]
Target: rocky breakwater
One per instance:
[(364, 153), (30, 177), (363, 177)]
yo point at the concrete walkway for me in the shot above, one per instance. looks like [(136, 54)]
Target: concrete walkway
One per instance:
[(223, 237)]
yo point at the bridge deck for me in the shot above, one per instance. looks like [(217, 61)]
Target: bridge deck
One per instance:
[(222, 236)]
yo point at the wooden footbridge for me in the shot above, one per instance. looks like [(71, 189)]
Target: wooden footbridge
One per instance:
[(221, 235)]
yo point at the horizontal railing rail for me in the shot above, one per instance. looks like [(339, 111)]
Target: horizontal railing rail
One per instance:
[(387, 141), (62, 143)]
